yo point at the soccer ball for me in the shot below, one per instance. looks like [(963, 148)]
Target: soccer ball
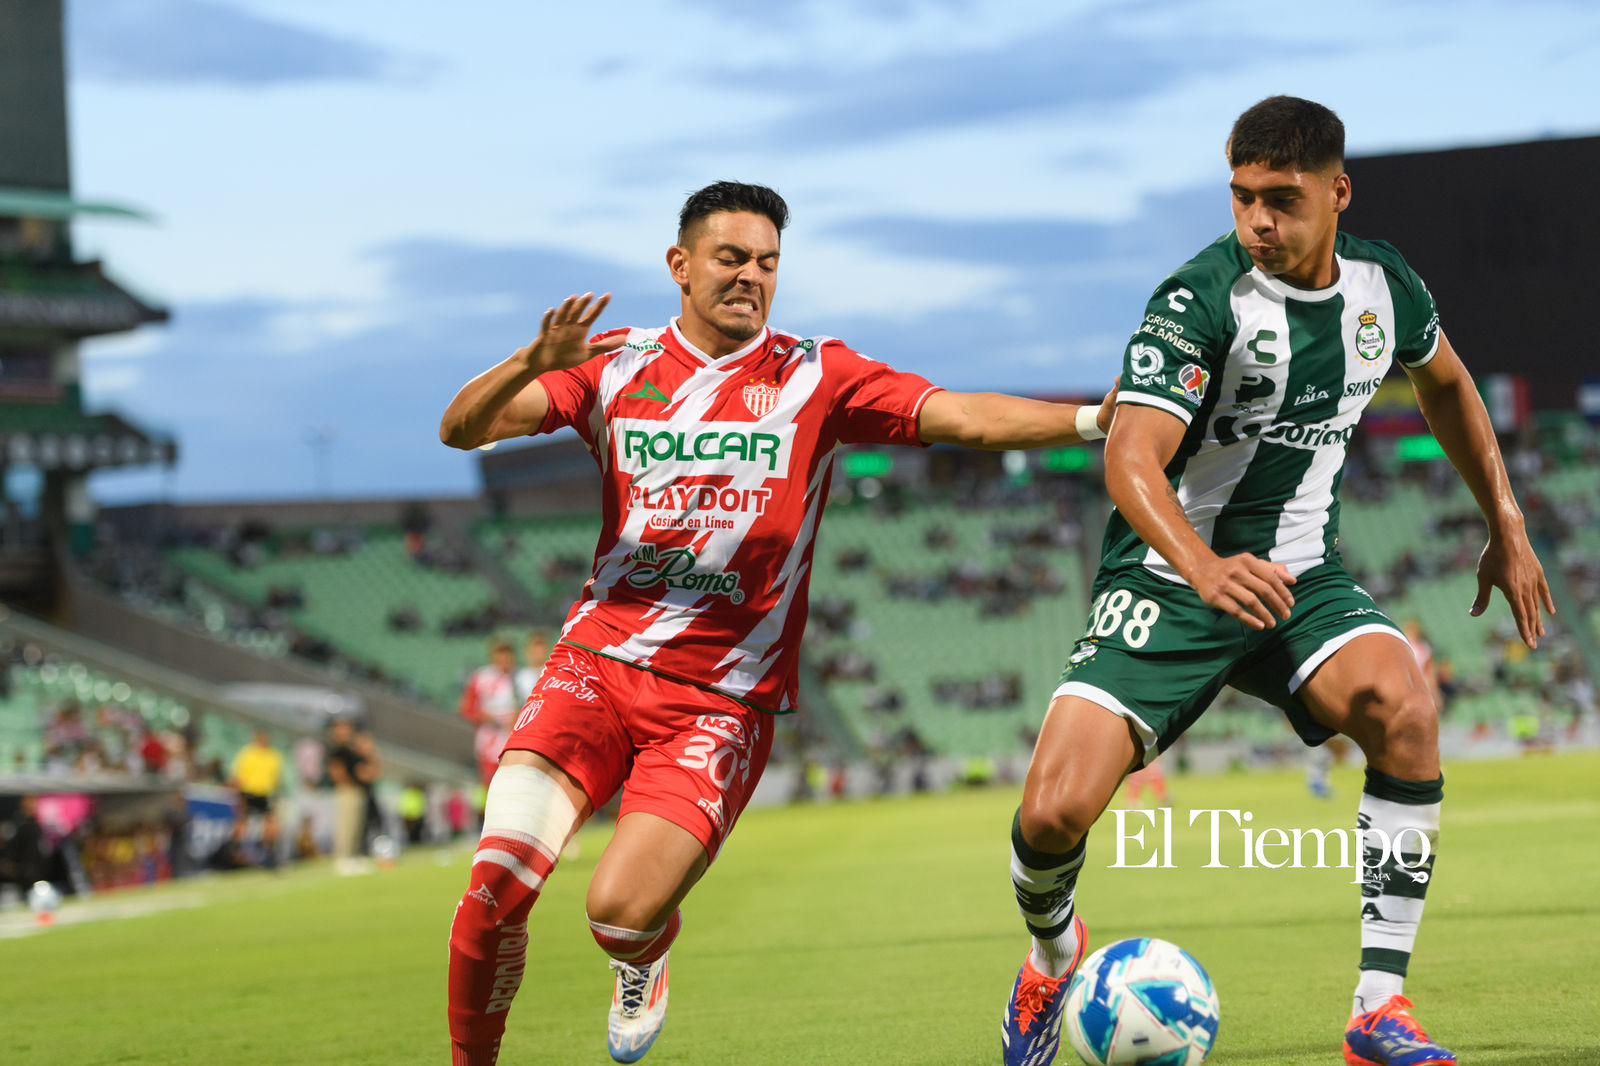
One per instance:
[(1141, 1002), (44, 899)]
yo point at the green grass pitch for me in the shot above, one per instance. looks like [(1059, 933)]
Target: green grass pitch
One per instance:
[(863, 933)]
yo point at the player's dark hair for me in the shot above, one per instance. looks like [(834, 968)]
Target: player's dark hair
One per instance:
[(1287, 132), (732, 196)]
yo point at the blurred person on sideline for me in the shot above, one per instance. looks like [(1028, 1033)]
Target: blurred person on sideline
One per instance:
[(715, 437), (368, 770), (349, 797), (489, 700), (413, 810), (1423, 650), (256, 773), (23, 857), (534, 654)]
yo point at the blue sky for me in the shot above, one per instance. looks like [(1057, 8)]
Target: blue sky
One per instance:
[(361, 204)]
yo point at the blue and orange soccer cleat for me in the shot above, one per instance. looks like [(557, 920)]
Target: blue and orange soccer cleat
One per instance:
[(1390, 1036), (638, 1009), (1030, 1033)]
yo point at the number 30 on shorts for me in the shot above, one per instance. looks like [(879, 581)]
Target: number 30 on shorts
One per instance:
[(1110, 609)]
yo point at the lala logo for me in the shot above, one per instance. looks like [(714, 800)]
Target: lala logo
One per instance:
[(760, 397)]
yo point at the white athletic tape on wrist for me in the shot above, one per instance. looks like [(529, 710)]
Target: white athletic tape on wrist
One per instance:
[(1087, 422), (525, 800)]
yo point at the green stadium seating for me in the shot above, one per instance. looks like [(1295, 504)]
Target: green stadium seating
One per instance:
[(348, 599)]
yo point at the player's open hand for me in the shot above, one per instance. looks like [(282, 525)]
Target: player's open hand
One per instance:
[(1508, 564), (1108, 409), (1253, 590), (563, 335)]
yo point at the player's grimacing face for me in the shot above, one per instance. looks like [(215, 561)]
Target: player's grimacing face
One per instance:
[(1286, 218), (728, 271)]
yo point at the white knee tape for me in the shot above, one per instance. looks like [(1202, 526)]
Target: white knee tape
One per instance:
[(525, 800)]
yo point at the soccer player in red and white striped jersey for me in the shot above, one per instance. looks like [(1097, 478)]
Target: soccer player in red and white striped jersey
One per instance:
[(714, 436)]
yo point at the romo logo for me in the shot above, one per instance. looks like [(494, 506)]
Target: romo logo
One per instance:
[(674, 567)]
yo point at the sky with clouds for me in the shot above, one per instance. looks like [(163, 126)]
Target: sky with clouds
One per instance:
[(361, 204)]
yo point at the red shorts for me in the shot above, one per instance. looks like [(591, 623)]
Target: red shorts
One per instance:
[(680, 752)]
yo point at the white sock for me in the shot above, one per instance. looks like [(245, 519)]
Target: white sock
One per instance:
[(1374, 990)]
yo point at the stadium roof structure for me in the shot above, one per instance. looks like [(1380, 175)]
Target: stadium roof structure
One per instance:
[(58, 206), (61, 436)]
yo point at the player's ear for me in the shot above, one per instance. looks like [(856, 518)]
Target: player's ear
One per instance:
[(678, 264), (1341, 192)]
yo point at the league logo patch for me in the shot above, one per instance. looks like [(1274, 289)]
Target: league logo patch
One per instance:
[(1194, 380), (1370, 341), (760, 398)]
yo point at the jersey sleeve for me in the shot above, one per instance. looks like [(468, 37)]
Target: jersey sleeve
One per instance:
[(1416, 318), (874, 403), (1169, 359), (573, 393)]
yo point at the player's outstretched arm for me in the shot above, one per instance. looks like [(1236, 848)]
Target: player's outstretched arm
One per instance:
[(507, 400), (1143, 441), (993, 421), (1450, 402)]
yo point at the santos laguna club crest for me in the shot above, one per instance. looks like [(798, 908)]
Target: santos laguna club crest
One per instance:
[(760, 397), (1370, 341)]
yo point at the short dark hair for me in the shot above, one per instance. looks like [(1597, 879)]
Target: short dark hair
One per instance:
[(1286, 131), (732, 196)]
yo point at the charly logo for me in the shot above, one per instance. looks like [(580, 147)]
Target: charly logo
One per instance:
[(760, 397), (674, 568), (1370, 341)]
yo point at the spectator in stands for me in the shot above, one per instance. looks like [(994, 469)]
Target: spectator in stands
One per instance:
[(404, 619), (1412, 627), (65, 736), (257, 771)]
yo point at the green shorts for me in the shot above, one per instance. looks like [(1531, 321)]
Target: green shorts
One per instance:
[(1157, 656)]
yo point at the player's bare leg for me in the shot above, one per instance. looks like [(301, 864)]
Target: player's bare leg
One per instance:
[(644, 873), (533, 808), (1082, 754), (1372, 691)]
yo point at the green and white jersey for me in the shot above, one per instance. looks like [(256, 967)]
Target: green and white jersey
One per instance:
[(1270, 380)]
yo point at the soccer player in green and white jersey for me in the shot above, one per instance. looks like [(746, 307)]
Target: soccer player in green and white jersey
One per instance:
[(1238, 397)]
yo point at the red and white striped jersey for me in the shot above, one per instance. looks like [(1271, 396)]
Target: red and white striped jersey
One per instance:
[(490, 691), (715, 473)]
